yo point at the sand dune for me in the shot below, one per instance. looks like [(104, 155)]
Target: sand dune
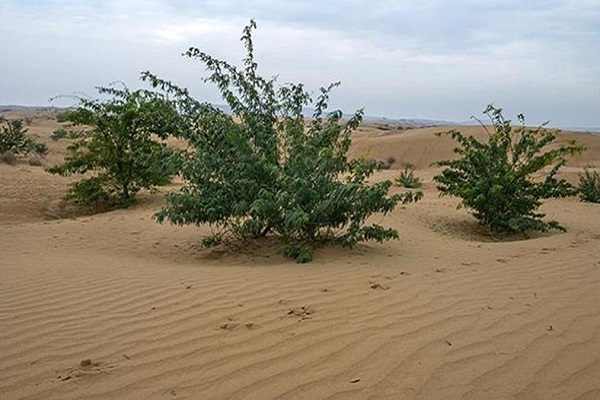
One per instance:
[(115, 306), (422, 147)]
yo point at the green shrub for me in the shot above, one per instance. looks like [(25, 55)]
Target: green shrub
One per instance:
[(39, 148), (59, 134), (298, 251), (263, 170), (13, 138), (407, 178), (116, 141), (504, 179), (589, 186)]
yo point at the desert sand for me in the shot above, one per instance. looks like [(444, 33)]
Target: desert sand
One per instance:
[(116, 306)]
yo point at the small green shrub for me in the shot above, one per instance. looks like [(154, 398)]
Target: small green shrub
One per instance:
[(504, 179), (212, 240), (39, 148), (407, 178), (13, 138), (59, 134), (117, 140), (95, 191), (589, 186), (299, 252)]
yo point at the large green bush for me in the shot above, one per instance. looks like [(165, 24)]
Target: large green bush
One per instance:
[(117, 141), (504, 178), (264, 170)]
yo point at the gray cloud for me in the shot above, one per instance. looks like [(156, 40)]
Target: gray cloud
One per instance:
[(436, 59)]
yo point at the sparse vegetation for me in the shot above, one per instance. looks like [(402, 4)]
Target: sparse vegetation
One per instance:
[(13, 139), (59, 134), (589, 186), (407, 178), (117, 141), (262, 170), (504, 179)]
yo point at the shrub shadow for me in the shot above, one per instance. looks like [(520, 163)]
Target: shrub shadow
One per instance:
[(466, 228)]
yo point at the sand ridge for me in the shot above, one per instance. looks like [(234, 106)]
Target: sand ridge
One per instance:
[(116, 306)]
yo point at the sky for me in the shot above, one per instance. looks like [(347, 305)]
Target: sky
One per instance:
[(444, 59)]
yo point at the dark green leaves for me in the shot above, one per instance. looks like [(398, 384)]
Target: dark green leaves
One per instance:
[(13, 138), (407, 178), (118, 140), (264, 169), (589, 186), (504, 179)]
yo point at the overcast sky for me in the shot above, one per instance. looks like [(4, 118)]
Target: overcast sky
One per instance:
[(400, 59)]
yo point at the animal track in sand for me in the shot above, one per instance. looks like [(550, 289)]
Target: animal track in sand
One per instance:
[(86, 368), (303, 313), (378, 286), (231, 325)]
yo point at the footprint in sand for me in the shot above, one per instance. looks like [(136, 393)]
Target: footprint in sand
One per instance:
[(228, 326), (231, 325), (86, 368), (303, 313), (251, 326), (378, 286)]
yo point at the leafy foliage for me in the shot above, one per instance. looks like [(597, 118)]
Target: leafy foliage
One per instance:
[(13, 138), (118, 141), (407, 178), (60, 134), (298, 251), (589, 186), (264, 169), (504, 179)]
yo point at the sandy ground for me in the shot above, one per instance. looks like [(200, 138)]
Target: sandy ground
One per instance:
[(115, 306)]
